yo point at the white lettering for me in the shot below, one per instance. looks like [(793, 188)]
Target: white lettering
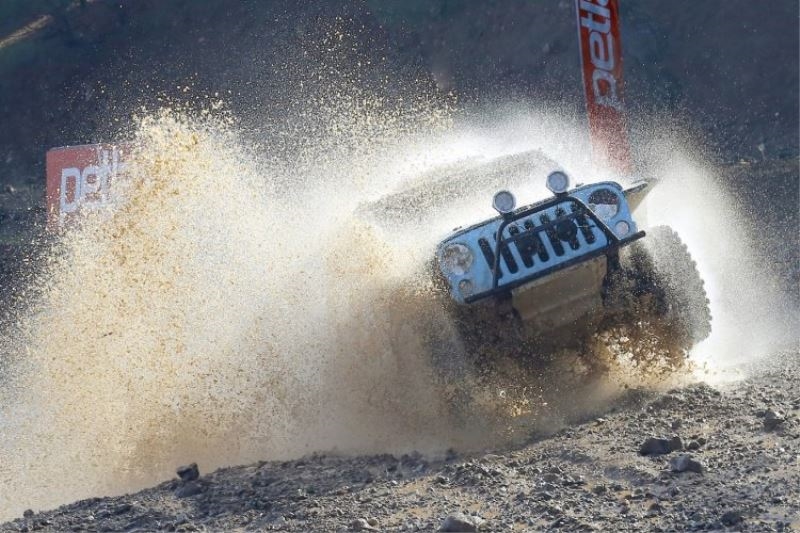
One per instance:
[(88, 188), (608, 98), (602, 53), (66, 206), (596, 18), (596, 9), (90, 180), (94, 185), (593, 25)]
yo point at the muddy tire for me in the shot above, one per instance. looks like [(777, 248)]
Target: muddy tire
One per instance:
[(660, 271)]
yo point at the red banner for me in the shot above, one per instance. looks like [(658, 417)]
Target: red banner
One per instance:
[(78, 178), (601, 61)]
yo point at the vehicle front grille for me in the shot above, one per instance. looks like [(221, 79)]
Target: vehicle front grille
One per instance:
[(543, 239)]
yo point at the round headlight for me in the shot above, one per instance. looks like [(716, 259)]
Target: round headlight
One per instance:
[(457, 259), (504, 202), (605, 203), (558, 182), (622, 228)]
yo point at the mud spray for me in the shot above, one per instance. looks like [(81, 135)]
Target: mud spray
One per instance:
[(233, 306)]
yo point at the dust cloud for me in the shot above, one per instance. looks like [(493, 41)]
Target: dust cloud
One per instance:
[(230, 306), (216, 312)]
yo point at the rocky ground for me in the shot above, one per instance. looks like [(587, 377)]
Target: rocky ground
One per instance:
[(696, 458)]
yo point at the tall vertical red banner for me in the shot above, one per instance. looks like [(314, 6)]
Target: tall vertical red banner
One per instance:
[(601, 62)]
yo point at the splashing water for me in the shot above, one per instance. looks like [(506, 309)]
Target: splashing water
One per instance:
[(230, 307), (754, 310)]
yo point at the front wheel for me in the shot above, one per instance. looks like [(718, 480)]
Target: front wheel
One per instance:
[(659, 288)]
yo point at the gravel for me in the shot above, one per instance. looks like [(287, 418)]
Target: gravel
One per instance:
[(587, 477)]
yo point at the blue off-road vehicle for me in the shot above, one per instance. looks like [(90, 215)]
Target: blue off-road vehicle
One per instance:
[(555, 272)]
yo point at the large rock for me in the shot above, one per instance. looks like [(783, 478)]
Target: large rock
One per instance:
[(189, 472), (686, 463), (461, 523), (773, 419), (362, 524), (656, 446), (731, 518), (189, 489)]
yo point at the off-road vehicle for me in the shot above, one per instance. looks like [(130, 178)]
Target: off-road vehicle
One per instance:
[(555, 272)]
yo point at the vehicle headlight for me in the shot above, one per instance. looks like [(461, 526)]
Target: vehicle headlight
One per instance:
[(457, 259), (622, 228), (557, 182), (605, 203)]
